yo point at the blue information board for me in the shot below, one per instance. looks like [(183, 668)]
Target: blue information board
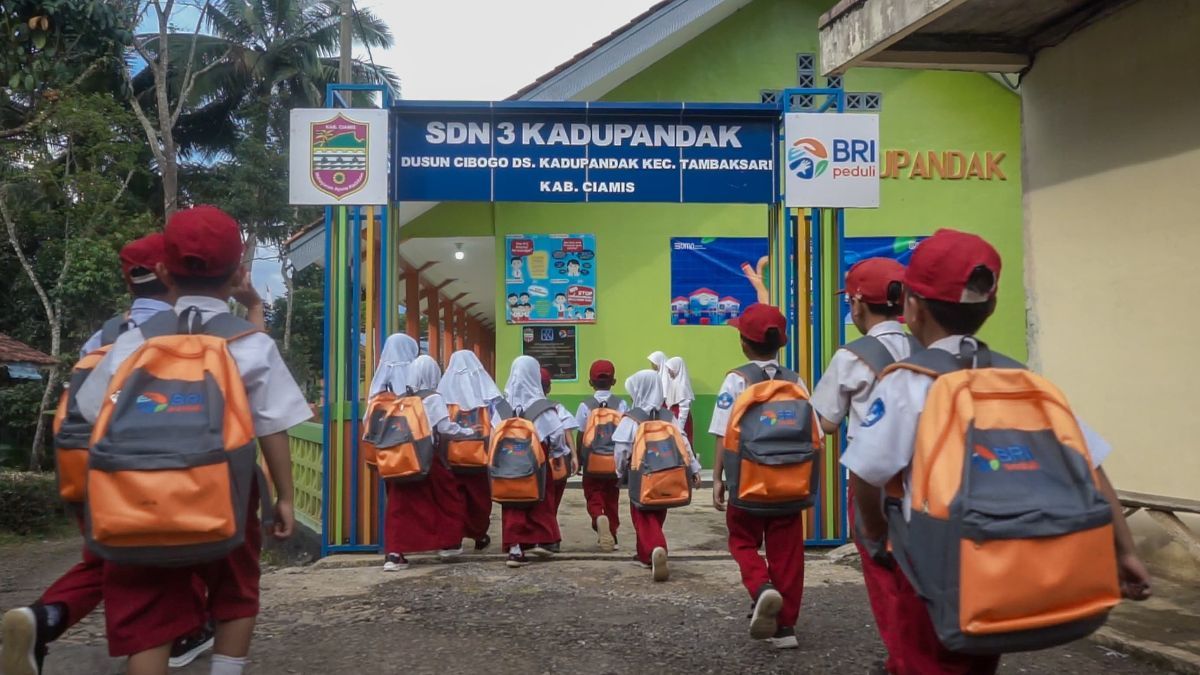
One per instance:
[(584, 152)]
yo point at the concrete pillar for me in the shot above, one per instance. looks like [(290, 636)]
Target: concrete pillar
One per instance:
[(412, 303), (433, 316)]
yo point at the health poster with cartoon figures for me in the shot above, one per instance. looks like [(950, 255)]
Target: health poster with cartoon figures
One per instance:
[(550, 278), (855, 249), (709, 278)]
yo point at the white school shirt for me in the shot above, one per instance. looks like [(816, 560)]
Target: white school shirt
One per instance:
[(847, 386), (276, 403), (884, 444), (731, 388), (569, 424), (602, 395), (139, 311), (623, 438)]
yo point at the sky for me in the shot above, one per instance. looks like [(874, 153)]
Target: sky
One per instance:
[(482, 50)]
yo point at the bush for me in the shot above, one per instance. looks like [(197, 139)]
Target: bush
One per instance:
[(29, 502)]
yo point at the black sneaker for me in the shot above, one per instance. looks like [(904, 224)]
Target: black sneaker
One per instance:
[(23, 631), (784, 638), (187, 648), (395, 562), (483, 542), (767, 603), (516, 560)]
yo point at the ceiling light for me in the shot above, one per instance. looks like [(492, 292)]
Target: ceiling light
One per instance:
[(458, 252)]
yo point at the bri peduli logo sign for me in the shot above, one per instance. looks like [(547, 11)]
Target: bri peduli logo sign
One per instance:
[(832, 159)]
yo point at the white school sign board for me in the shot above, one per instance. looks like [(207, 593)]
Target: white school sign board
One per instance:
[(338, 156), (831, 160)]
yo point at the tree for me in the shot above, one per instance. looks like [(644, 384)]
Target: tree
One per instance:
[(305, 356), (61, 203)]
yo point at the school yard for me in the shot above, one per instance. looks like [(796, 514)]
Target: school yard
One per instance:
[(582, 613)]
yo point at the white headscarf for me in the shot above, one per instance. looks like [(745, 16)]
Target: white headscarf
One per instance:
[(423, 374), (524, 382), (645, 389), (398, 354), (679, 385), (466, 383), (659, 360)]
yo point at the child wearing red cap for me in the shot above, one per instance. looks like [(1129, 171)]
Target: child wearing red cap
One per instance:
[(602, 494), (873, 289), (147, 607), (776, 585), (949, 292)]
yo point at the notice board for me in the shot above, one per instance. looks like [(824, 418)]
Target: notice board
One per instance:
[(555, 348)]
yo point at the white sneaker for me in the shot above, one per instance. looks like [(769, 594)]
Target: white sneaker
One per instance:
[(394, 562), (784, 638), (658, 563), (18, 651), (448, 553), (763, 621), (541, 551), (607, 542)]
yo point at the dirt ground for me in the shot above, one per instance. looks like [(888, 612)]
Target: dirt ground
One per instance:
[(562, 616)]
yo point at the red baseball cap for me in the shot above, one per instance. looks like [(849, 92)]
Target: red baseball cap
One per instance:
[(603, 370), (203, 241), (868, 280), (756, 319), (942, 264), (140, 256)]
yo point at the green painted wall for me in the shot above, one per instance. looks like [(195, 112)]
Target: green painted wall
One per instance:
[(756, 49)]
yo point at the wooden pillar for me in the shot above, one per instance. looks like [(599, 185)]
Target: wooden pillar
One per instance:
[(473, 334), (448, 321), (412, 303), (433, 315), (460, 329)]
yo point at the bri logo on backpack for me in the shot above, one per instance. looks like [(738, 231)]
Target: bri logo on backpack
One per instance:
[(155, 402), (1008, 458), (783, 418)]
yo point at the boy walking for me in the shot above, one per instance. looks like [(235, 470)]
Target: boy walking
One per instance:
[(147, 607), (601, 492), (950, 291), (873, 289)]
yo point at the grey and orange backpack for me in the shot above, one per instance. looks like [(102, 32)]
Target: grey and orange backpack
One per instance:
[(596, 446), (373, 419), (1010, 541), (469, 454), (660, 470), (172, 463), (772, 445), (398, 432), (72, 432), (516, 459)]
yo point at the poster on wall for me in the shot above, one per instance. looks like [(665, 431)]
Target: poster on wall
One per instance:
[(554, 348), (855, 249), (708, 285), (338, 156), (550, 278)]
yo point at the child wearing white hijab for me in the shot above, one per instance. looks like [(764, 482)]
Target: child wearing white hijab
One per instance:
[(467, 386), (679, 394), (535, 528), (658, 361), (645, 389), (426, 515)]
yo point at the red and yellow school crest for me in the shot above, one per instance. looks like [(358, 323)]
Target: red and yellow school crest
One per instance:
[(338, 161)]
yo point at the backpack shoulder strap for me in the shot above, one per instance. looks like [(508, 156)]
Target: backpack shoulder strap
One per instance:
[(425, 393), (914, 345), (871, 351), (787, 375), (931, 362), (538, 408), (591, 403), (751, 373), (504, 409), (112, 329), (663, 415), (166, 322), (229, 327), (638, 415)]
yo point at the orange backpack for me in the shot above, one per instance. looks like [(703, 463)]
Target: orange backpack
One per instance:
[(772, 445), (660, 466), (1010, 541), (516, 459), (469, 454), (173, 452), (373, 419), (596, 447), (403, 441), (71, 431)]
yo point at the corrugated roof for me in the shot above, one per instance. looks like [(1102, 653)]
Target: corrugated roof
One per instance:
[(15, 351), (651, 11)]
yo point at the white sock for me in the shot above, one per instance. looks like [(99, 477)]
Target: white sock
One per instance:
[(515, 549), (227, 665)]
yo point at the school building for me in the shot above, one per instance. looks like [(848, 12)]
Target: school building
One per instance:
[(950, 157), (1111, 149)]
